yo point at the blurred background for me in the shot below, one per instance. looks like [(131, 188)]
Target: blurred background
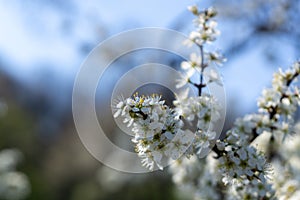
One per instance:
[(42, 45)]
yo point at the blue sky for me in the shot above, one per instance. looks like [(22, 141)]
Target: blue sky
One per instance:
[(32, 41), (31, 32)]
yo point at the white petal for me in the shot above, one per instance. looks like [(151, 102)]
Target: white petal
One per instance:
[(185, 65)]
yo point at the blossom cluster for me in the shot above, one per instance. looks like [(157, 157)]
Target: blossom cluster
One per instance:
[(161, 133), (205, 26), (244, 166), (197, 176), (245, 171), (235, 168), (203, 112), (281, 101), (157, 129), (205, 33), (284, 158)]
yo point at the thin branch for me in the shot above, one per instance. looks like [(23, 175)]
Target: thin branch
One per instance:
[(201, 85)]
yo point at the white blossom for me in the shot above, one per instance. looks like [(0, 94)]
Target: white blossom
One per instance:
[(179, 145), (205, 109), (213, 76), (239, 167), (203, 140), (191, 66), (13, 185), (182, 81), (215, 57), (9, 158), (206, 27)]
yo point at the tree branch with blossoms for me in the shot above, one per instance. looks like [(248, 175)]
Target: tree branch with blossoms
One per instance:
[(235, 169), (159, 133)]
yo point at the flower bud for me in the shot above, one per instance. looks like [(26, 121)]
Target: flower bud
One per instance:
[(193, 9)]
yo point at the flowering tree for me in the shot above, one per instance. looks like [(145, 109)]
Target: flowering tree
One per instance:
[(236, 168)]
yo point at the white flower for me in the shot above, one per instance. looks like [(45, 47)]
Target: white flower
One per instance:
[(193, 39), (120, 107), (205, 108), (179, 144), (270, 99), (207, 34), (279, 81), (181, 97), (206, 28), (191, 66), (215, 57), (203, 140), (296, 67), (182, 81), (213, 76)]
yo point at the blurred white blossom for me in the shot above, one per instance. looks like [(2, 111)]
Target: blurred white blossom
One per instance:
[(193, 65), (13, 185), (9, 158)]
